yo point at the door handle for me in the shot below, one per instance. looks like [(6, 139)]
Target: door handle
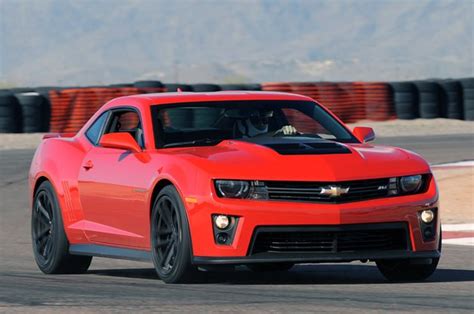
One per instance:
[(88, 165)]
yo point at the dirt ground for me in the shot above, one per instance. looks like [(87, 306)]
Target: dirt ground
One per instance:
[(456, 188), (417, 127)]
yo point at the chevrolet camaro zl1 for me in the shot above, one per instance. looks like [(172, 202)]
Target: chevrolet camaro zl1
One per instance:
[(266, 180)]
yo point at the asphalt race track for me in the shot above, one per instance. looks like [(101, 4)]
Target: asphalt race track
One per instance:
[(114, 285)]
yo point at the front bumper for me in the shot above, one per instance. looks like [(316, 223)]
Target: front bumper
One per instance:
[(254, 214), (313, 258)]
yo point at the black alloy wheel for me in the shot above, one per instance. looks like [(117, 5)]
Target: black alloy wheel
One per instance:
[(50, 244), (171, 243), (42, 226)]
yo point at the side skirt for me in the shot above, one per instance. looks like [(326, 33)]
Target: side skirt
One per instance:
[(110, 251)]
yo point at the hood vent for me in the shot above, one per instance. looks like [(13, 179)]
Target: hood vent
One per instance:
[(309, 148)]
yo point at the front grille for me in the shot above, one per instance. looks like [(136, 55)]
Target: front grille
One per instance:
[(311, 191), (349, 238)]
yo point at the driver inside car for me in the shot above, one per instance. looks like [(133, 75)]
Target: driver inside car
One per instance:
[(257, 122)]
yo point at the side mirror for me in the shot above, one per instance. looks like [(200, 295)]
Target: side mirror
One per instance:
[(120, 140), (364, 134)]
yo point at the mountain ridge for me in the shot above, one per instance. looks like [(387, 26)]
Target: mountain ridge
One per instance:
[(98, 42)]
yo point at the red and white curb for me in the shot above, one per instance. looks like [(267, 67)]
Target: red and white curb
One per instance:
[(459, 234)]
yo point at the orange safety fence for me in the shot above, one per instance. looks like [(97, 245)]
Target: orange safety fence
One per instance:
[(350, 101), (71, 108)]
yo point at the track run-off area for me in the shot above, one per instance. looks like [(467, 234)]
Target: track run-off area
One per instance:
[(124, 286)]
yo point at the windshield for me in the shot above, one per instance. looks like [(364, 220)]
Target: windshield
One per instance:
[(208, 123)]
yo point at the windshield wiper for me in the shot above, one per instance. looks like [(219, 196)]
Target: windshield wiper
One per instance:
[(202, 141)]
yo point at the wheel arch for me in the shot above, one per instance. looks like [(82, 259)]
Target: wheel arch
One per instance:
[(38, 182), (156, 190)]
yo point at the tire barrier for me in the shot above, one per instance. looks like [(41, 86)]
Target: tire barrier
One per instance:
[(62, 109), (147, 87), (429, 99), (35, 110), (205, 88), (468, 98), (182, 87), (451, 99), (249, 87), (405, 100), (10, 113), (120, 85)]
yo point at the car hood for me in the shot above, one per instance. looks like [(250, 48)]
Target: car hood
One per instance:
[(234, 159)]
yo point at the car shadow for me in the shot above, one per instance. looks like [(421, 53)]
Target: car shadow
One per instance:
[(298, 275)]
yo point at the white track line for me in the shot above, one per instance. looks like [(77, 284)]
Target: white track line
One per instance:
[(458, 227)]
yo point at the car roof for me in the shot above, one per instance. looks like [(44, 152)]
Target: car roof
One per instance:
[(186, 97)]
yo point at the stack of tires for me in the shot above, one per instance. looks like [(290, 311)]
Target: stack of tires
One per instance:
[(451, 99), (149, 86), (405, 99), (205, 88), (468, 98), (429, 100), (36, 113), (237, 87), (10, 113), (171, 88)]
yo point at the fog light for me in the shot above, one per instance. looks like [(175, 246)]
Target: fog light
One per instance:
[(222, 221), (222, 238), (427, 216), (428, 233)]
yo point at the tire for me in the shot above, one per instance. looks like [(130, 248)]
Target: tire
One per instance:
[(121, 85), (408, 269), (20, 90), (405, 98), (205, 88), (429, 99), (50, 245), (451, 99), (170, 238), (233, 87), (254, 87), (35, 112), (10, 113), (148, 84), (468, 98), (174, 87), (264, 267)]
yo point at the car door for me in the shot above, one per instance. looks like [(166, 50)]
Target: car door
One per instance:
[(113, 185)]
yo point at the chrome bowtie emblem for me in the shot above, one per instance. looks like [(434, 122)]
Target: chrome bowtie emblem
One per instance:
[(334, 191)]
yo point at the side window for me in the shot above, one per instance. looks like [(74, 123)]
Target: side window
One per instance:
[(126, 121), (95, 130)]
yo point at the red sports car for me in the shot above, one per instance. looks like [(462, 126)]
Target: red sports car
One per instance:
[(266, 180)]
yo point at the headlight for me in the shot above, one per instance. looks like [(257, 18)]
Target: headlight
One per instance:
[(410, 184), (405, 185), (241, 189), (232, 188)]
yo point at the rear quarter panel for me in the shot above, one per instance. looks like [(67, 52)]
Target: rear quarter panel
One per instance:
[(58, 160)]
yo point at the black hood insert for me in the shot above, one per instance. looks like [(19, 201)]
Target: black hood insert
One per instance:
[(300, 145)]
